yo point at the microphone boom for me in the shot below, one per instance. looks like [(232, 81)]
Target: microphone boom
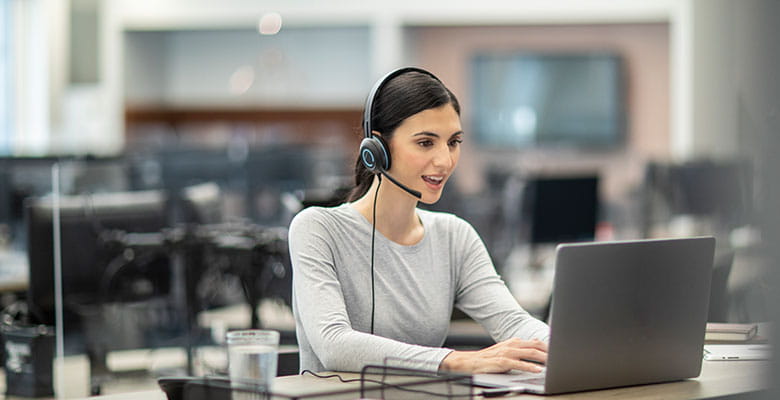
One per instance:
[(414, 193)]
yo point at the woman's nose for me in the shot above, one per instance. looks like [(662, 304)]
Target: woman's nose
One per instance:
[(443, 158)]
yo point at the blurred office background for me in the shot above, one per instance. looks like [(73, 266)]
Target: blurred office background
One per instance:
[(187, 133)]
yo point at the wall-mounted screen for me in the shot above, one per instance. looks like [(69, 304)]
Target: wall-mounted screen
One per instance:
[(524, 99)]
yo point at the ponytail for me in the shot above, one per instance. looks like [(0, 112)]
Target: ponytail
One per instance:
[(363, 180)]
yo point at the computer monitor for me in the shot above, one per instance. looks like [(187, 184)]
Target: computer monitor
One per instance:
[(88, 275), (96, 175), (181, 167), (21, 177), (721, 190), (541, 99), (561, 209), (273, 171), (5, 197)]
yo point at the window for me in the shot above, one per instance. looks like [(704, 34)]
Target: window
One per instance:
[(6, 81)]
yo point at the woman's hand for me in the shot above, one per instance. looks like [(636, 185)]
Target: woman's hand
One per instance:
[(511, 354)]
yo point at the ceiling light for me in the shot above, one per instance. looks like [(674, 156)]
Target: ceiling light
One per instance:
[(270, 24)]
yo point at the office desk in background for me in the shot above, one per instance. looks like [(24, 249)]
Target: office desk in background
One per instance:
[(717, 379)]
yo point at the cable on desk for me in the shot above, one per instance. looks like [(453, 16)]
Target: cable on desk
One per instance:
[(385, 384), (316, 375)]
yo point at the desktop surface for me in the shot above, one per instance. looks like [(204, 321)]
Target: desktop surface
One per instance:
[(718, 379)]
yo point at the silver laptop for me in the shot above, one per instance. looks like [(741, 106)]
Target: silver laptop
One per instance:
[(623, 313)]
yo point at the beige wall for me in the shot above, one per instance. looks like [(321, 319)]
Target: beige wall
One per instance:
[(645, 50)]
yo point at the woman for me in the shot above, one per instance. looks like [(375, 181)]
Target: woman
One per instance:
[(375, 279)]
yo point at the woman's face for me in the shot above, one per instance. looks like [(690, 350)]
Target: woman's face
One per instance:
[(425, 149)]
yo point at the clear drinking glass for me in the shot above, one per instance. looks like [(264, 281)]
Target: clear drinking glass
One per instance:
[(252, 356)]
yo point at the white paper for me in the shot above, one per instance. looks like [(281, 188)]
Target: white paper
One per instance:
[(732, 352)]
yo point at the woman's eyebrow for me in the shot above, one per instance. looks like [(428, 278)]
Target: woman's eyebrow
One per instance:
[(436, 135), (426, 133)]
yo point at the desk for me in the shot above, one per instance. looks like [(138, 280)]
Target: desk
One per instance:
[(718, 378)]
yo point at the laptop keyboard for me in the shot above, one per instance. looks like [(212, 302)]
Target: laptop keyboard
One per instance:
[(530, 380)]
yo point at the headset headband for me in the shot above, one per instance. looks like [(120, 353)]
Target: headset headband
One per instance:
[(368, 110)]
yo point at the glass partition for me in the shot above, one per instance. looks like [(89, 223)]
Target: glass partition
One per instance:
[(132, 268)]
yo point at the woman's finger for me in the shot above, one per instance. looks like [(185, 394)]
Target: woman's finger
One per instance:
[(526, 366), (537, 344), (533, 355)]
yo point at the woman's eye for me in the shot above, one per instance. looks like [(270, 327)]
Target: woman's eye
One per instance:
[(455, 142), (425, 143)]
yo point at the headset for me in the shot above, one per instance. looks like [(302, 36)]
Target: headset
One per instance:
[(374, 151), (375, 156)]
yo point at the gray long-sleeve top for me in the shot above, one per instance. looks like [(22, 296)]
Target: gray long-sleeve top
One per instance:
[(416, 287)]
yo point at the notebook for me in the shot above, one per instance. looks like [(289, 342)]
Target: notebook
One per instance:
[(623, 313)]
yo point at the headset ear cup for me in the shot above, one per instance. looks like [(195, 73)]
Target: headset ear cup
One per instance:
[(371, 155), (374, 155)]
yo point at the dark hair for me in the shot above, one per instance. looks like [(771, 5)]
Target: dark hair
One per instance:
[(398, 99)]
